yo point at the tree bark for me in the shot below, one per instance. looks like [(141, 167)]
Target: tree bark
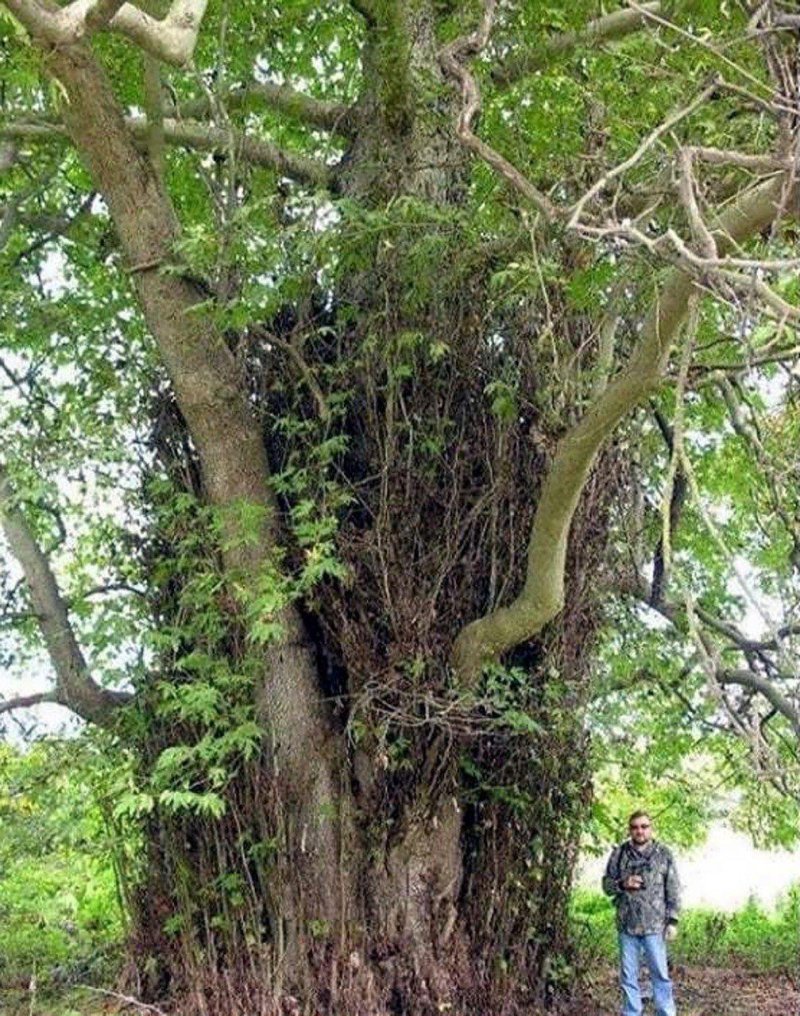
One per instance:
[(396, 875), (305, 758)]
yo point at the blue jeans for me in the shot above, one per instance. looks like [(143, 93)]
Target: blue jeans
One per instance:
[(655, 952)]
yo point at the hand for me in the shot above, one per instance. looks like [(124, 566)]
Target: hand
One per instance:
[(671, 932), (633, 882)]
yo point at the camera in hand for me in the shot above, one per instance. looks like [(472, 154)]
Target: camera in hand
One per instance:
[(639, 868)]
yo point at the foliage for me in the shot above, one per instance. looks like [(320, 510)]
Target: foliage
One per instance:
[(411, 344), (60, 916)]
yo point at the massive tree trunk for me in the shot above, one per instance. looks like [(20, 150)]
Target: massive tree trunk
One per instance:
[(393, 761), (409, 851)]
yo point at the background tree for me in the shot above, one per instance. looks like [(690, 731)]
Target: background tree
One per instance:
[(314, 391)]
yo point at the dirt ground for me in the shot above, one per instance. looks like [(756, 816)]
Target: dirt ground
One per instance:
[(699, 992), (705, 992)]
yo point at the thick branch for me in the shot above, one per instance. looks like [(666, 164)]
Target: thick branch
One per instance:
[(203, 138), (26, 701), (542, 596), (214, 400), (172, 39), (75, 688), (101, 14), (331, 116), (767, 688), (200, 364), (199, 137), (609, 28)]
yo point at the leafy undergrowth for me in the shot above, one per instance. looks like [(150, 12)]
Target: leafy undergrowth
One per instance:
[(703, 991)]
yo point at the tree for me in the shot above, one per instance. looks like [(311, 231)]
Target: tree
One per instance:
[(389, 347)]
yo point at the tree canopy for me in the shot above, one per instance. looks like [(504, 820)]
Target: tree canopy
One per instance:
[(394, 393)]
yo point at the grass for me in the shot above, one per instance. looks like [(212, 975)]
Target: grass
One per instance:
[(752, 938)]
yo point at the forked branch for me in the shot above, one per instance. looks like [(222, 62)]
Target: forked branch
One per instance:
[(74, 688), (27, 701), (172, 39), (750, 678)]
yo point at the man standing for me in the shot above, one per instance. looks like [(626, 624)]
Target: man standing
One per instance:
[(642, 880)]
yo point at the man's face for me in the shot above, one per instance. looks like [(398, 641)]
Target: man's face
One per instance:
[(641, 831)]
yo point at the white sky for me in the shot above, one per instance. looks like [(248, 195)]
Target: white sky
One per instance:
[(723, 873)]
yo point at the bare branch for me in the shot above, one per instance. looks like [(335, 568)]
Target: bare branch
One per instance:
[(75, 687), (789, 21), (746, 160), (26, 701), (172, 39), (710, 373), (646, 144), (688, 196), (678, 616), (609, 28)]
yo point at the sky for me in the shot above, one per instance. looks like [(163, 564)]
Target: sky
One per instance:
[(723, 873)]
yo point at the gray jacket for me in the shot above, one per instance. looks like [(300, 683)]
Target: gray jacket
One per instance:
[(649, 910)]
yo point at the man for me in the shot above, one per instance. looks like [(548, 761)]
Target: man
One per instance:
[(642, 880)]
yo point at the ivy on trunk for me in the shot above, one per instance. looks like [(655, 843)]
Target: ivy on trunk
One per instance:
[(380, 466)]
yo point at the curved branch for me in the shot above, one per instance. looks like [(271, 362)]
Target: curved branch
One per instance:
[(452, 60), (75, 687), (609, 28), (542, 597)]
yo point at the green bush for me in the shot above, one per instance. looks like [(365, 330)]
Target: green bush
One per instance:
[(753, 937), (59, 914)]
